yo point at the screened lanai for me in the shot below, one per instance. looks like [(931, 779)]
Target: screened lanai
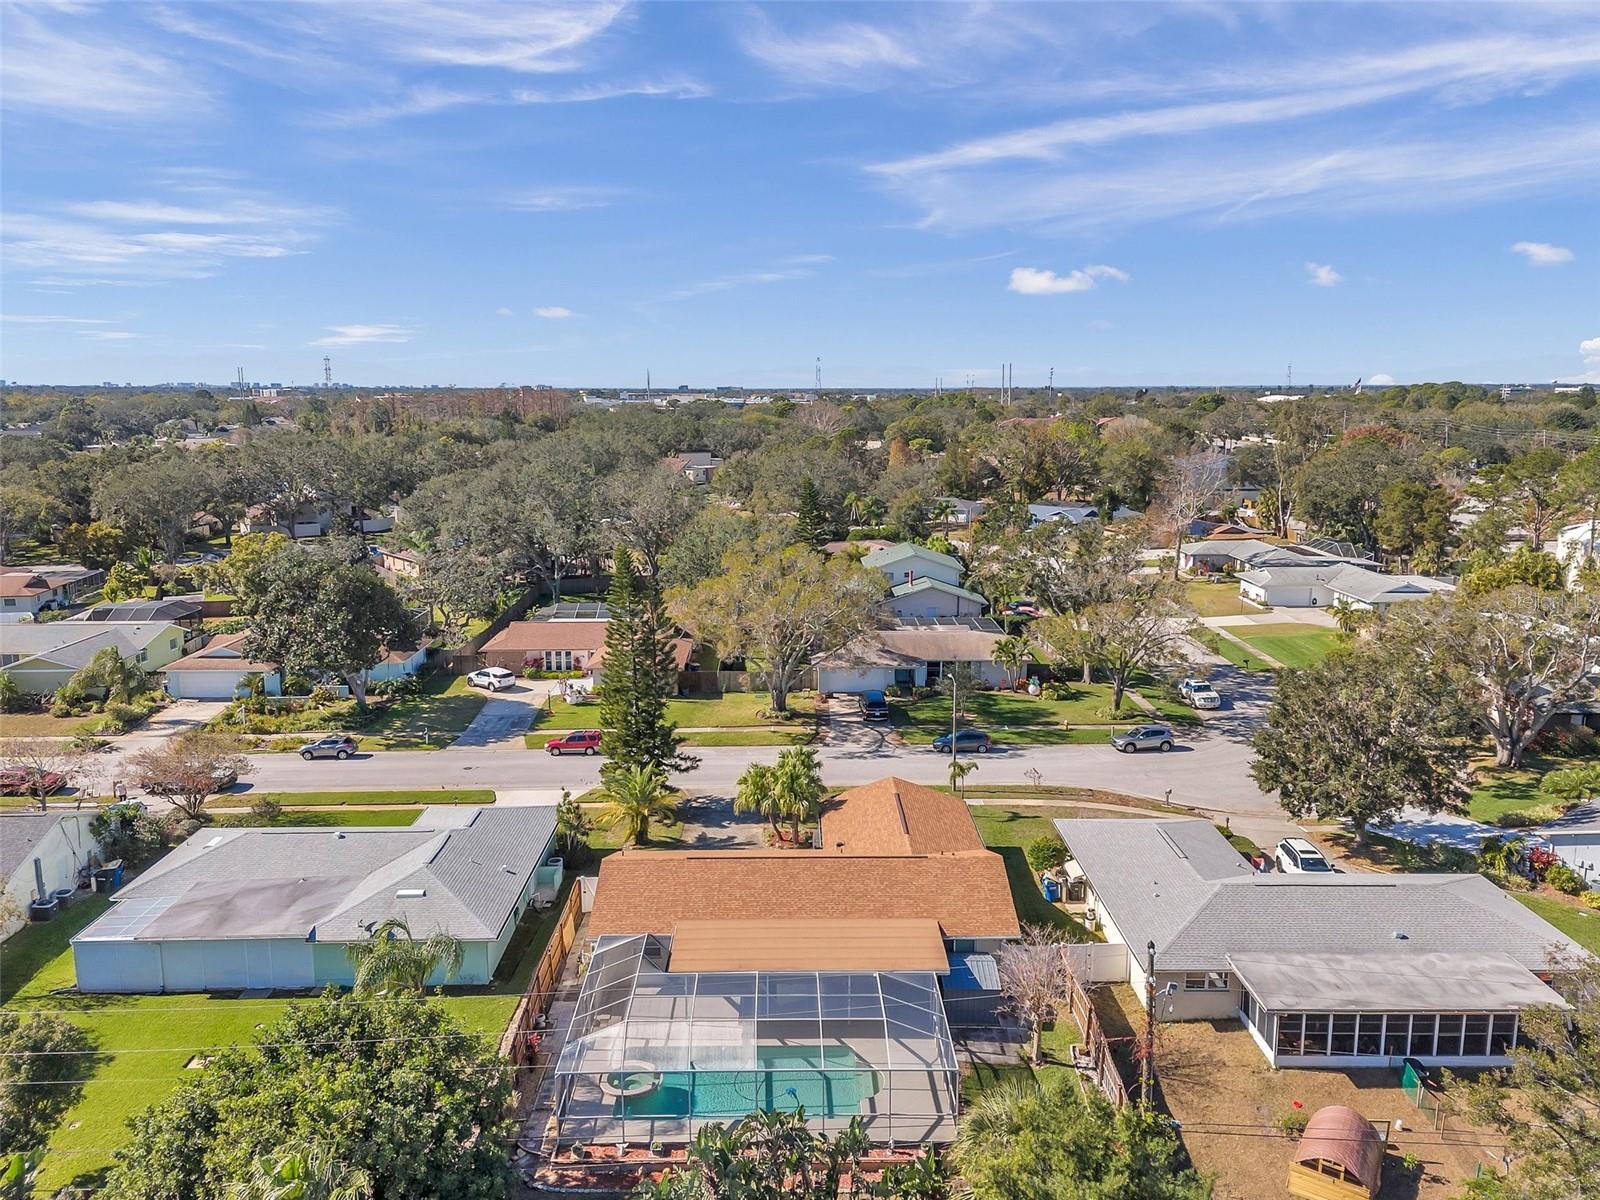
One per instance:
[(652, 1055)]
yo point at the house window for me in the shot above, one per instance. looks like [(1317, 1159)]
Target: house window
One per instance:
[(1206, 981), (10, 603), (1504, 1033), (1449, 1044), (1291, 1033), (172, 643), (143, 654), (1423, 1026), (1475, 1041), (1395, 1035), (1317, 1028), (1344, 1034), (1369, 1034)]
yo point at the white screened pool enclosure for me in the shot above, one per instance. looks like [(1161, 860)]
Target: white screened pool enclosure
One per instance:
[(654, 1055)]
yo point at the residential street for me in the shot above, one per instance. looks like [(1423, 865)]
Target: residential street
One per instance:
[(1209, 769)]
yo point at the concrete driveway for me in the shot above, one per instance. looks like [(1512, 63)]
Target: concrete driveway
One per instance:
[(508, 715)]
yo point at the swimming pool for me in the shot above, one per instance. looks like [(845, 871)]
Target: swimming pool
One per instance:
[(787, 1080)]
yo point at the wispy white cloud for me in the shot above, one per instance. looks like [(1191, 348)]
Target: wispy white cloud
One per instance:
[(1589, 348), (833, 54), (727, 283), (107, 335), (554, 312), (1322, 275), (565, 198), (1037, 281), (681, 88), (1542, 254), (150, 240), (506, 34), (1099, 325), (361, 335), (28, 319), (56, 62), (419, 101), (1236, 183), (504, 312), (1380, 380)]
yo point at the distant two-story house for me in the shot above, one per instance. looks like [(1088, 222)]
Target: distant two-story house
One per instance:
[(314, 519), (906, 562), (923, 582)]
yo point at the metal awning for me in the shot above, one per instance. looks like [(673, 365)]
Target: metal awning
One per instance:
[(1396, 982)]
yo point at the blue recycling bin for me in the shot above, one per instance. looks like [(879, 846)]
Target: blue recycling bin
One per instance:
[(1052, 889)]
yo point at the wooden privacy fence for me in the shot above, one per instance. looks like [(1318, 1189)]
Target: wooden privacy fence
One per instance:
[(1094, 1054), (517, 1045)]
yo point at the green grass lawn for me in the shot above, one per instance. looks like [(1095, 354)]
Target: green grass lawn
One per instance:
[(377, 817), (1582, 925), (336, 799), (40, 724), (1292, 644), (1007, 831), (445, 707), (1238, 655), (1219, 599), (1014, 717), (144, 1042), (1502, 790), (746, 737), (730, 710)]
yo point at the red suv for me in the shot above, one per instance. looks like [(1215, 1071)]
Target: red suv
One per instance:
[(579, 741)]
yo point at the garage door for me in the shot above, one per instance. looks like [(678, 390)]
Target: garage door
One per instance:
[(203, 685)]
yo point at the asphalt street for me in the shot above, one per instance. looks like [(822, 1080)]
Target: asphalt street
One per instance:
[(1208, 769)]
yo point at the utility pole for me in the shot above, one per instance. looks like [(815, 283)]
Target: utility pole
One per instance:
[(1052, 389), (1147, 1059)]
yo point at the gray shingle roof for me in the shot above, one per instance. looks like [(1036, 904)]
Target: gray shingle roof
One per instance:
[(1183, 893), (19, 834), (240, 883), (74, 643)]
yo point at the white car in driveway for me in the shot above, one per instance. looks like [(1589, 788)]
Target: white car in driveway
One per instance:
[(1199, 694), (493, 679), (1296, 856)]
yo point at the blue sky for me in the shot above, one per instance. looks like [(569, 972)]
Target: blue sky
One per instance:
[(575, 194)]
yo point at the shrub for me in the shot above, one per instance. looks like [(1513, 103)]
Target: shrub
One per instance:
[(1046, 852), (266, 809), (324, 695), (127, 832), (1591, 899), (12, 697), (401, 688), (1527, 818), (1293, 1123), (1564, 879), (1572, 784)]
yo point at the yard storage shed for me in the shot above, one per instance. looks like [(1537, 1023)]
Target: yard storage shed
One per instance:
[(1340, 1157)]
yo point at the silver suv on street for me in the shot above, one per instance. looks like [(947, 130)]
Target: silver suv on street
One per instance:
[(1143, 737)]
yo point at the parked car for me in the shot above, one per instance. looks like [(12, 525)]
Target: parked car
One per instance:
[(1199, 694), (494, 679), (1296, 856), (1143, 737), (973, 741), (338, 746), (24, 781), (222, 779), (579, 741), (874, 706)]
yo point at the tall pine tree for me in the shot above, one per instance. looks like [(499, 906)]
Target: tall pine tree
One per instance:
[(638, 676), (811, 524)]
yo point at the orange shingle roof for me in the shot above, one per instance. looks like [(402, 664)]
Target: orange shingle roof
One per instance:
[(650, 891), (893, 816)]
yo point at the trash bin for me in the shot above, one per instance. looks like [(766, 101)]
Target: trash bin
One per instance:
[(1052, 888)]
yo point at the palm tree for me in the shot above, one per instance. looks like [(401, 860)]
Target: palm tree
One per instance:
[(636, 796), (757, 795), (855, 507), (1012, 654), (872, 510), (1501, 856), (392, 962), (958, 774), (993, 1120), (302, 1171), (1348, 617), (122, 678), (797, 786), (943, 511)]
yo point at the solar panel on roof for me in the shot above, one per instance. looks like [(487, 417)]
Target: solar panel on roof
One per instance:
[(127, 918)]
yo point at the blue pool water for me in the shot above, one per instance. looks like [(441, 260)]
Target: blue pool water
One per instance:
[(837, 1089)]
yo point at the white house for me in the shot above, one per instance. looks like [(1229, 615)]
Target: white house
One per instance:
[(1576, 544), (220, 671), (1076, 514), (905, 562), (929, 597), (1331, 971), (279, 908), (1319, 586), (313, 519), (25, 592), (35, 846), (913, 652), (962, 512)]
